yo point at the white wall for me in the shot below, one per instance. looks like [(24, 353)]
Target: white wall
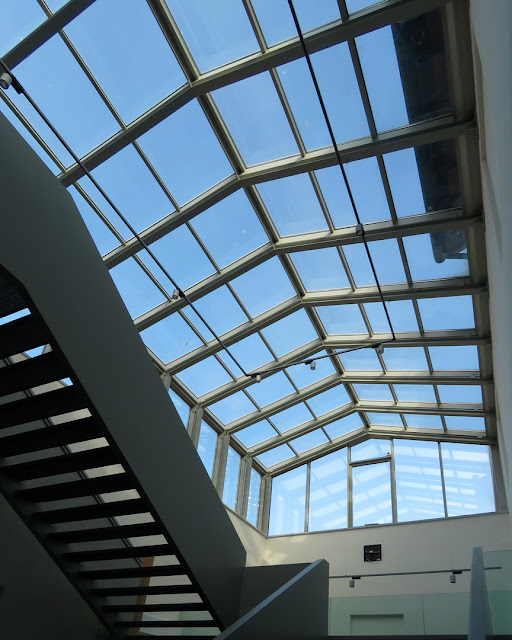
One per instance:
[(415, 605), (492, 26)]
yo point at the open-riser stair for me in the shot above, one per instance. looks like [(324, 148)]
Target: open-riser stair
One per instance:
[(67, 480)]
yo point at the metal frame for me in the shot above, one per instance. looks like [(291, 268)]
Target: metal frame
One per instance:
[(461, 128)]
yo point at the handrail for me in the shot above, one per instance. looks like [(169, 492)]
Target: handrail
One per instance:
[(411, 573)]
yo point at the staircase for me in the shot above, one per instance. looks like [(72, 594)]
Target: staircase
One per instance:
[(65, 477)]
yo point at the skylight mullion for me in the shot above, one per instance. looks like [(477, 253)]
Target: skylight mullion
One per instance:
[(31, 130), (321, 199), (387, 188), (99, 213), (157, 177), (288, 111)]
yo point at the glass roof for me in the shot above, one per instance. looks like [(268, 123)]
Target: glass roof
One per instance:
[(206, 132)]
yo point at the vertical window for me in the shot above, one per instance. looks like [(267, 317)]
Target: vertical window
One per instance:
[(419, 490), (253, 503), (206, 446), (371, 494), (288, 505), (231, 479), (328, 492), (467, 478)]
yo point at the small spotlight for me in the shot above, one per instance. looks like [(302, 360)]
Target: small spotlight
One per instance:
[(379, 348), (257, 377), (312, 366), (453, 579), (5, 80), (359, 230), (351, 583), (175, 294)]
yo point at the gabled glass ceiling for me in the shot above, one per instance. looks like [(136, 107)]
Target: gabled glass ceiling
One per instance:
[(200, 122)]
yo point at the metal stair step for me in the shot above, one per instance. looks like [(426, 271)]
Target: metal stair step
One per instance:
[(32, 373), (121, 553), (166, 623), (93, 511), (48, 437), (157, 590), (133, 572), (21, 335), (78, 488), (65, 463), (106, 533), (134, 608), (45, 405)]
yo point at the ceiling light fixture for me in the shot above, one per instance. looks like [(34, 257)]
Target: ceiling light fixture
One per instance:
[(5, 80)]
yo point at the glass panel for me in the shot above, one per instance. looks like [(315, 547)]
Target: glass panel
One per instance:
[(135, 287), (233, 407), (181, 407), (404, 182), (216, 33), (206, 375), (309, 441), (465, 423), (114, 60), (464, 357), (289, 333), (254, 292), (288, 505), (342, 319), (181, 255), (366, 185), (401, 313), (320, 269), (460, 393), (173, 146), (302, 375), (343, 426), (370, 449), (329, 400), (277, 23), (130, 185), (336, 196), (415, 393), (220, 309), (384, 419), (386, 259), (377, 392), (357, 5), (230, 229), (328, 492), (467, 478), (293, 205), (271, 389), (419, 491), (361, 360), (251, 352), (256, 433), (231, 479), (275, 456), (253, 502), (342, 98), (371, 494), (447, 313), (206, 446), (103, 238), (292, 417), (437, 255), (423, 421), (405, 71), (18, 20), (405, 359), (170, 338), (256, 120), (63, 92)]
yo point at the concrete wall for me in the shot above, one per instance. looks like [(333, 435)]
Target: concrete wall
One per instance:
[(492, 27), (425, 604)]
